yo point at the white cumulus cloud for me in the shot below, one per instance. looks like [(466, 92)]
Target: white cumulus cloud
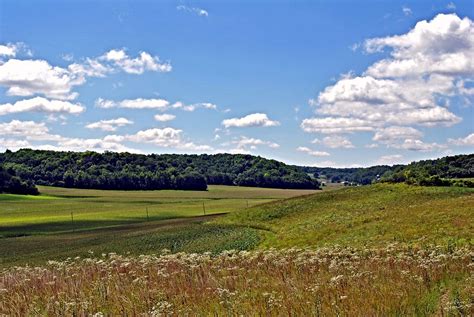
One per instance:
[(28, 129), (144, 62), (167, 138), (251, 120), (29, 77), (13, 144), (466, 141), (426, 68), (244, 142), (395, 133), (80, 145), (34, 76), (40, 104), (8, 50), (109, 125), (444, 45)]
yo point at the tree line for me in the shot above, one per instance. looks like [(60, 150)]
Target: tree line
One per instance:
[(111, 170), (20, 170), (12, 184), (362, 175), (455, 170), (446, 171)]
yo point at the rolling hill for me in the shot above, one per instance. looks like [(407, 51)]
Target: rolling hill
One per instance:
[(366, 216)]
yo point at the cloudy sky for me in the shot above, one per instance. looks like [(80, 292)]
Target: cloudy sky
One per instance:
[(327, 83)]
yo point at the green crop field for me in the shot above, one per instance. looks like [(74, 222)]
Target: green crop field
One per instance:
[(62, 209), (63, 222)]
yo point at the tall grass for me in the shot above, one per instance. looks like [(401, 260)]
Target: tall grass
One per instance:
[(373, 216), (330, 281)]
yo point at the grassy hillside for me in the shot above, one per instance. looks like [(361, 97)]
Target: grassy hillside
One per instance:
[(38, 228), (372, 216)]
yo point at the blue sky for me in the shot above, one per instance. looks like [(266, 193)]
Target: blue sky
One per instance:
[(325, 83)]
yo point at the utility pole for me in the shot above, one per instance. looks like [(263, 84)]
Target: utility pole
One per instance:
[(204, 208)]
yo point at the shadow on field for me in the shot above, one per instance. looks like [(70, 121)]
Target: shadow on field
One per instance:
[(193, 234), (71, 226)]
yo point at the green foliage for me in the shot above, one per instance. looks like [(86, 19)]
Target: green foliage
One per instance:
[(127, 171), (459, 166), (9, 183), (462, 183), (362, 175), (446, 171)]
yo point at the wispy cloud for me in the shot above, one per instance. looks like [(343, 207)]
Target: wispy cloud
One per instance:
[(390, 159), (164, 117), (198, 11), (153, 103), (407, 11), (307, 150), (109, 125)]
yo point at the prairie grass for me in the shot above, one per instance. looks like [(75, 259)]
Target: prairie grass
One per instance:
[(325, 282), (367, 216)]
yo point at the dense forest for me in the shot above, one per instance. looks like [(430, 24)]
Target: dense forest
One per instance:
[(12, 184), (446, 171), (359, 175), (127, 171)]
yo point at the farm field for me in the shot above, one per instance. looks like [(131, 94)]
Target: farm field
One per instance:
[(51, 212), (344, 251), (34, 229)]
